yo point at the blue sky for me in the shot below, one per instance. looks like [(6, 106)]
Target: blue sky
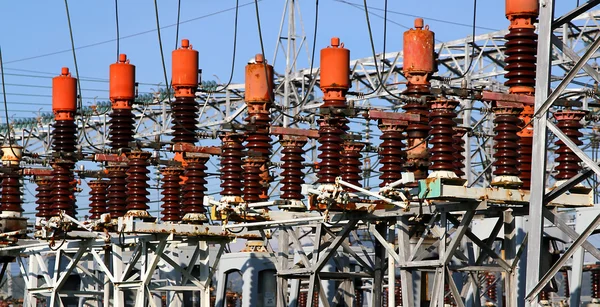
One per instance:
[(35, 38), (35, 28)]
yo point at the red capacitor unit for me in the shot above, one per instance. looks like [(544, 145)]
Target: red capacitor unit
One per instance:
[(419, 58), (335, 74), (184, 70), (259, 81), (122, 83)]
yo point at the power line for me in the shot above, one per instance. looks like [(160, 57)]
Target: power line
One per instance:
[(46, 95), (235, 29), (117, 26), (4, 96), (162, 55), (312, 57), (177, 28), (417, 16), (127, 36), (81, 79), (79, 100)]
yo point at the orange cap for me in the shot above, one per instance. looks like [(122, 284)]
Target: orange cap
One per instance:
[(64, 95), (335, 71), (259, 87), (185, 70), (522, 8), (122, 83), (418, 48)]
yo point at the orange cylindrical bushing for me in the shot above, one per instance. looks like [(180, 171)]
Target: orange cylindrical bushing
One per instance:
[(522, 8), (335, 70), (185, 70), (259, 87), (64, 95), (122, 83), (419, 50)]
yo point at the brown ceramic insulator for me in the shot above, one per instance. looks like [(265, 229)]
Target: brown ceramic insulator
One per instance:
[(62, 188), (595, 274), (258, 143), (137, 181), (567, 289), (63, 136), (121, 127), (417, 132), (252, 179), (351, 164), (331, 132), (543, 295), (171, 191), (441, 123), (491, 287), (98, 198), (195, 186), (506, 138), (303, 299), (117, 190), (524, 160), (316, 298), (521, 50), (43, 197), (447, 295), (384, 298), (185, 113), (568, 121), (231, 165), (459, 150), (392, 156), (358, 297), (292, 174), (525, 146), (11, 191), (398, 293)]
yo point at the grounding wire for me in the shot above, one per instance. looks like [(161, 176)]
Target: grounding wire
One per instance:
[(79, 100)]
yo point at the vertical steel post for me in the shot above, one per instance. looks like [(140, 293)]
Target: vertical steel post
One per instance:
[(510, 246), (404, 251), (538, 166), (379, 267), (391, 268), (282, 283)]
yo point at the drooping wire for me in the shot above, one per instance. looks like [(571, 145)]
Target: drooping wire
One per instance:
[(312, 57), (162, 55), (130, 35), (5, 104), (472, 43), (262, 45), (378, 73), (177, 27), (385, 13), (235, 30), (79, 100), (117, 26)]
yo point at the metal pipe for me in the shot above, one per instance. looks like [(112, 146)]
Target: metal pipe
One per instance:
[(306, 219), (361, 190)]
